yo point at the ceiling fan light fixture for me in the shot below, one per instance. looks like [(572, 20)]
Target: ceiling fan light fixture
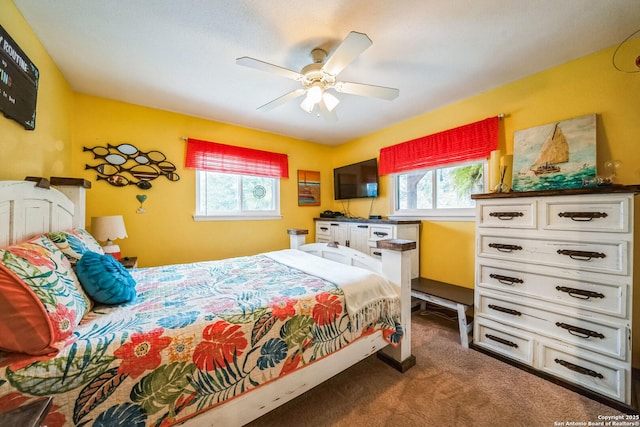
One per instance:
[(317, 77), (314, 94), (307, 105), (330, 101)]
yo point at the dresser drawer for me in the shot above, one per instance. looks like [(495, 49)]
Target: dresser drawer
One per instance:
[(584, 292), (323, 230), (603, 257), (593, 215), (380, 232), (598, 335), (585, 369), (504, 340), (375, 252), (512, 215)]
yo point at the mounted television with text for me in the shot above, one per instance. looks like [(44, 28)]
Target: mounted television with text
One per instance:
[(356, 181)]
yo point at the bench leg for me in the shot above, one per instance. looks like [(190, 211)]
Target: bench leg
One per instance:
[(460, 308), (462, 325)]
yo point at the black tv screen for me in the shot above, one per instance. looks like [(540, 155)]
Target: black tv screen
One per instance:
[(356, 181)]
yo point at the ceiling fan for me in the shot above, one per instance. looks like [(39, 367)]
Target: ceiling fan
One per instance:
[(320, 76)]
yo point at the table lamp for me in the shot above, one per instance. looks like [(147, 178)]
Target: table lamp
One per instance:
[(107, 229)]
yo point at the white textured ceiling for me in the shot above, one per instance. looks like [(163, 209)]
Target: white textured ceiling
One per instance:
[(180, 55)]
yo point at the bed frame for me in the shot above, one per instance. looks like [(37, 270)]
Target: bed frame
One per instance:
[(30, 208)]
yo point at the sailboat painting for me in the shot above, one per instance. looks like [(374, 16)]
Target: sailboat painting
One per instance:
[(555, 156), (308, 188)]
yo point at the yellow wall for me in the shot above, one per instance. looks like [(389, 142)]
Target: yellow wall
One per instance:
[(45, 151), (584, 86), (167, 233)]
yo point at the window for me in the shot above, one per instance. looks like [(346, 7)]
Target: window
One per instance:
[(434, 176), (235, 182), (439, 192), (232, 196)]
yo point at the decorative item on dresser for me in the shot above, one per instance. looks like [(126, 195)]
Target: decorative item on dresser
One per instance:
[(362, 235), (554, 281)]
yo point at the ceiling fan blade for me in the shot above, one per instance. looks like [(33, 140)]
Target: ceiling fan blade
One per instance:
[(281, 100), (270, 68), (362, 89), (350, 48), (328, 115)]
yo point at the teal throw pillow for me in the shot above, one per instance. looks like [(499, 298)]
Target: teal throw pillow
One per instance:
[(105, 279)]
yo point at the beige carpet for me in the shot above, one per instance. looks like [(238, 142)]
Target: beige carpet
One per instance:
[(449, 386)]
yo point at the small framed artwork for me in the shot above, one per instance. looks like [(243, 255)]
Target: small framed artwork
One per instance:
[(308, 188), (555, 156)]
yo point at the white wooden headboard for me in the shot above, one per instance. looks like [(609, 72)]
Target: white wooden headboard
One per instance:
[(27, 210)]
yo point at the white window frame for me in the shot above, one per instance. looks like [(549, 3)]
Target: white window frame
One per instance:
[(239, 215), (433, 214)]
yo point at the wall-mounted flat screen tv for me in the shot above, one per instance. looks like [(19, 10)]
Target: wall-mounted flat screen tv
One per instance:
[(356, 180)]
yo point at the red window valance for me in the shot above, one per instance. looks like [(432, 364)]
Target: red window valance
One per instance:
[(465, 143), (215, 157)]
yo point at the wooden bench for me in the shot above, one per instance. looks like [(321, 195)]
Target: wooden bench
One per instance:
[(446, 295)]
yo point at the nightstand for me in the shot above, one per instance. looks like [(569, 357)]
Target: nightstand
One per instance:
[(29, 415), (129, 262)]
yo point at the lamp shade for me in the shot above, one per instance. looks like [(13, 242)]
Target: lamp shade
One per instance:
[(107, 229)]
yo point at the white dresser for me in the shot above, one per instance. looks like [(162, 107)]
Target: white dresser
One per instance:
[(554, 280), (362, 235)]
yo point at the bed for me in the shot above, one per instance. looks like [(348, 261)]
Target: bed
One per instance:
[(208, 343)]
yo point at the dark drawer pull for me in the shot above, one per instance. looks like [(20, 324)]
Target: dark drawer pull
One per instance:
[(506, 280), (506, 215), (376, 253), (579, 293), (581, 255), (380, 233), (335, 225), (505, 248), (363, 226), (582, 216), (505, 310), (579, 332), (501, 340), (579, 369), (324, 229)]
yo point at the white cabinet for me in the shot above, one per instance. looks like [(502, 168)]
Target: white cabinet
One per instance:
[(332, 232), (363, 234), (554, 280), (359, 237)]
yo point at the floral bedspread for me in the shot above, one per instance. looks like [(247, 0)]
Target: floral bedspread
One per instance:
[(196, 335)]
